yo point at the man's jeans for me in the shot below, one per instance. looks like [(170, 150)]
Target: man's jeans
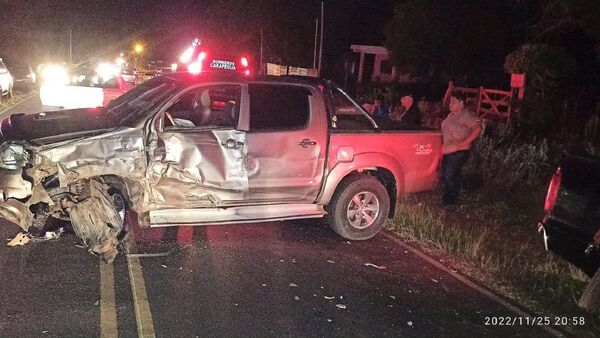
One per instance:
[(452, 165)]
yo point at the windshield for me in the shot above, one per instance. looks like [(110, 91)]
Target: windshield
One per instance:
[(142, 99)]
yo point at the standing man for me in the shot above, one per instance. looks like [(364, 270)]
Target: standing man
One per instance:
[(459, 129)]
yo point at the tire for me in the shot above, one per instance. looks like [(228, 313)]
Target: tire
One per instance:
[(10, 92), (358, 222)]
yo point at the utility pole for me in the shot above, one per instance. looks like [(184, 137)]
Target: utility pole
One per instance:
[(70, 46), (316, 39), (261, 51), (322, 38)]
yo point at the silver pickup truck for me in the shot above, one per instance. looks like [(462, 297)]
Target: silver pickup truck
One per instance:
[(210, 149)]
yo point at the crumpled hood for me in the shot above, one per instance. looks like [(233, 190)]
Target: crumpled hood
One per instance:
[(40, 128)]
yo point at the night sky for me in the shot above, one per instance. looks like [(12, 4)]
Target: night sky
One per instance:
[(38, 31)]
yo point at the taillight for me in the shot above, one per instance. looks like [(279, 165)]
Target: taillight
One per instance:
[(244, 62), (552, 192)]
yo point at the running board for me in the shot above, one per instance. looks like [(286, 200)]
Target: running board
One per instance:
[(245, 214)]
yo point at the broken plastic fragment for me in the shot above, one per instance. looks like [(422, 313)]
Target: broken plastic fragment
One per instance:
[(297, 298), (435, 281), (49, 235), (329, 261), (328, 297), (375, 266), (409, 323), (340, 306), (293, 285), (164, 266), (20, 239)]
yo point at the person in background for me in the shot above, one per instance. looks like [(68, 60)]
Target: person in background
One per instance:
[(369, 107), (396, 112), (380, 111), (412, 114), (459, 129)]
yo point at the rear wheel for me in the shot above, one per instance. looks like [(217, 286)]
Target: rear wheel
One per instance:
[(359, 208)]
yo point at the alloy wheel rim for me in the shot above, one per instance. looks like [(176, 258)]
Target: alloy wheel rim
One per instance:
[(119, 205), (363, 210)]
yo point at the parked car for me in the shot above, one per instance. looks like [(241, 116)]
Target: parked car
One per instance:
[(6, 81), (571, 225), (218, 148), (130, 75), (23, 75)]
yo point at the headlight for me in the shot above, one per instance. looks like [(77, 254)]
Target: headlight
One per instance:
[(12, 156), (55, 74)]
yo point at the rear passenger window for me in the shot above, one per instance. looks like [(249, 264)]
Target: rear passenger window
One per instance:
[(278, 107)]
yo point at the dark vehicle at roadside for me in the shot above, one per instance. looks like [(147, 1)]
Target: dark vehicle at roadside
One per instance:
[(570, 227), (23, 75)]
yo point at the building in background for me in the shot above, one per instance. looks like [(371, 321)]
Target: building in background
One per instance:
[(374, 65)]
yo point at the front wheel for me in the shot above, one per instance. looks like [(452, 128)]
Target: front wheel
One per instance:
[(359, 208)]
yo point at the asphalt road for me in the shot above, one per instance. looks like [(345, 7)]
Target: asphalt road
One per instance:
[(31, 103), (285, 279)]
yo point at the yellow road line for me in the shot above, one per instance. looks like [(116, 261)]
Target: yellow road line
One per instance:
[(108, 313), (143, 315)]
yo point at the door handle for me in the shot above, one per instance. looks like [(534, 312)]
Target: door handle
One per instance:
[(232, 144), (306, 143)]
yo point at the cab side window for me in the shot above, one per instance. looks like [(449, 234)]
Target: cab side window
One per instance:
[(278, 107), (204, 107)]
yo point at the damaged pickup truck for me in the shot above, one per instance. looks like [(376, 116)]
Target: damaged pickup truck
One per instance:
[(193, 150)]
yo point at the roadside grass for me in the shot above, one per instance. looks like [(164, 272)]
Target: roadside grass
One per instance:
[(493, 239)]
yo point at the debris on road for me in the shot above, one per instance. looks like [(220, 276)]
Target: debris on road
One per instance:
[(340, 306), (20, 239), (49, 235), (164, 266), (293, 285), (409, 323), (297, 298), (375, 266), (330, 261), (329, 297), (434, 280)]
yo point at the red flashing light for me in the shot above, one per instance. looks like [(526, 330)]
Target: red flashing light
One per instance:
[(244, 61), (247, 72), (553, 192), (201, 56)]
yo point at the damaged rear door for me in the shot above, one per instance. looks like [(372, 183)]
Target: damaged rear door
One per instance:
[(197, 157)]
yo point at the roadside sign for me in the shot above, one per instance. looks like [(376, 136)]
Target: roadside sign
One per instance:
[(517, 80)]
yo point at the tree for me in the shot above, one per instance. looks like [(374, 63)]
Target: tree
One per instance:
[(458, 40), (287, 28), (551, 74)]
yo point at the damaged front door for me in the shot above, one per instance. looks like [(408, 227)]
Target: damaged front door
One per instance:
[(197, 155)]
